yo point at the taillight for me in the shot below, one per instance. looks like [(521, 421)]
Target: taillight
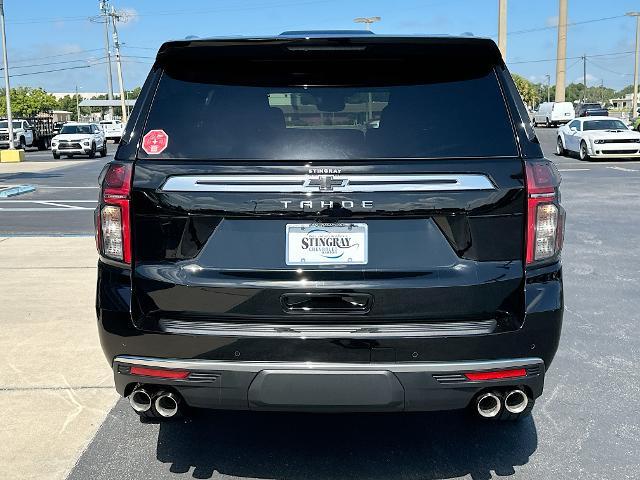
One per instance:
[(496, 375), (159, 373), (545, 216), (113, 235)]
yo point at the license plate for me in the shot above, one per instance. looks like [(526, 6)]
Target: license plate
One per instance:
[(326, 244)]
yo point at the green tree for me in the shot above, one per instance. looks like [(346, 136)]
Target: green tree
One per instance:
[(27, 102), (625, 91), (68, 103), (529, 92)]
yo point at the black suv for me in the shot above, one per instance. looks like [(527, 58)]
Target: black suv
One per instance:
[(591, 110), (302, 222)]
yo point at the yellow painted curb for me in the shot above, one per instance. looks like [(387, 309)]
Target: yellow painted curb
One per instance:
[(11, 156)]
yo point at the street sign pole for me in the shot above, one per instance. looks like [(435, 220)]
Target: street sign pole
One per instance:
[(6, 76)]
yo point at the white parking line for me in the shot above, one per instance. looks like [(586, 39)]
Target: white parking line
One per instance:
[(52, 209), (574, 169), (46, 187), (38, 200), (622, 169), (54, 205)]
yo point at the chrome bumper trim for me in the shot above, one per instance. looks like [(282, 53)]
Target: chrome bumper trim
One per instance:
[(413, 330), (403, 367), (327, 183)]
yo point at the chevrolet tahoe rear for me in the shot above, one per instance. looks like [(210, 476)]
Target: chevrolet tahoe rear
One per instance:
[(305, 223)]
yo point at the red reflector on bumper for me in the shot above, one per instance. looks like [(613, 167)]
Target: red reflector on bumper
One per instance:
[(518, 372), (159, 373)]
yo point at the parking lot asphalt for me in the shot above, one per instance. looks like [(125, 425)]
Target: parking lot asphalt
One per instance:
[(64, 198), (586, 425)]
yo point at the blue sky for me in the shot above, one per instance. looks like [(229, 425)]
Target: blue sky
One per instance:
[(42, 37)]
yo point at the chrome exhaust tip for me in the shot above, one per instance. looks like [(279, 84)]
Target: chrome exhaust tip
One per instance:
[(166, 404), (140, 400), (488, 405), (516, 401)]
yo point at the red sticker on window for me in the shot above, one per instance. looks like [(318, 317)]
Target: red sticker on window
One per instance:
[(155, 142)]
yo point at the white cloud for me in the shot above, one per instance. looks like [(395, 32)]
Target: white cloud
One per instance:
[(591, 79), (129, 15)]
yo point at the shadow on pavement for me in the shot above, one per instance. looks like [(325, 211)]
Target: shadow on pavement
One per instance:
[(22, 176), (384, 446)]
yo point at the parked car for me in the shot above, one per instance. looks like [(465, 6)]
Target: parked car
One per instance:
[(271, 265), (591, 110), (598, 137), (553, 113), (113, 129), (28, 132), (79, 139)]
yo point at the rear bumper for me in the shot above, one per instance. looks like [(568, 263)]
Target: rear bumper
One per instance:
[(400, 369), (329, 387)]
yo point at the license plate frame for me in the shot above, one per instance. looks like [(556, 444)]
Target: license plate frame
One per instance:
[(344, 244)]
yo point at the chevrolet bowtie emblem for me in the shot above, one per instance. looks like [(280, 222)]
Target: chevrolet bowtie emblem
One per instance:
[(326, 183)]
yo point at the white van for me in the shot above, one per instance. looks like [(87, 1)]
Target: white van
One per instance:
[(112, 129), (553, 113)]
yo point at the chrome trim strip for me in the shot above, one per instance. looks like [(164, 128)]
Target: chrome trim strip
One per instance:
[(413, 330), (404, 367), (542, 195), (339, 183)]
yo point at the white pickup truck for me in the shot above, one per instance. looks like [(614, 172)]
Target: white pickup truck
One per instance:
[(32, 132), (112, 129)]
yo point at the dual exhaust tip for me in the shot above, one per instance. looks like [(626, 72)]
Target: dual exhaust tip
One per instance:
[(490, 404), (166, 404)]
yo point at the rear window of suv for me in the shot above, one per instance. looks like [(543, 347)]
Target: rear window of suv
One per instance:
[(461, 114)]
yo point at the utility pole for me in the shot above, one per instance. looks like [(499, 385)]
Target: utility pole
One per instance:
[(116, 42), (634, 106), (584, 78), (561, 62), (548, 87), (106, 11), (7, 86), (502, 28)]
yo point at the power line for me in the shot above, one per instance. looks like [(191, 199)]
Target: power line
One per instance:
[(175, 12), (47, 20), (568, 24), (13, 67), (570, 58), (609, 70), (138, 56), (54, 56), (55, 70)]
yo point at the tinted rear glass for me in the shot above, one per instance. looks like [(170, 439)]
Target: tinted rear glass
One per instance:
[(423, 115)]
